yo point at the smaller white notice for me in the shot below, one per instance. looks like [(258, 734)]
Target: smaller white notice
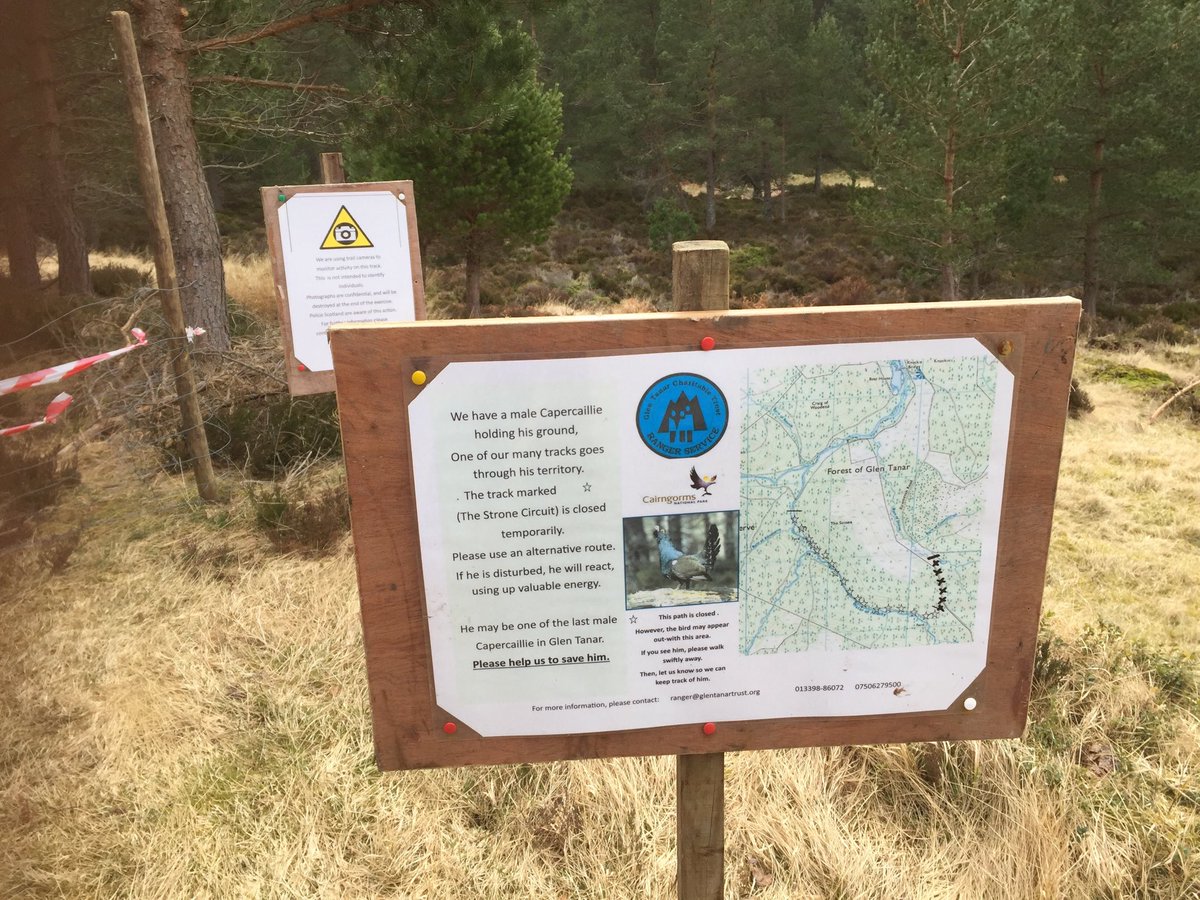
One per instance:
[(346, 258)]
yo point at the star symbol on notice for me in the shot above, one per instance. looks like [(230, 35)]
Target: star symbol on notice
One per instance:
[(587, 488), (633, 620)]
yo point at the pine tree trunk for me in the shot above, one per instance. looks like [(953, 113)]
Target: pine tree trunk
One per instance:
[(767, 179), (950, 274), (710, 192), (474, 276), (1091, 234), (21, 244), (73, 274), (784, 175), (817, 175), (20, 239), (190, 213)]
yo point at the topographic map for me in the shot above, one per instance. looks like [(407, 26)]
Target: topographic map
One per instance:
[(863, 502)]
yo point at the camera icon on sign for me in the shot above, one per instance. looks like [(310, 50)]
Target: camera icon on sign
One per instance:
[(345, 233)]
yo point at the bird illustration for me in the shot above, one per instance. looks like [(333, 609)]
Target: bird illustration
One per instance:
[(702, 483), (677, 565)]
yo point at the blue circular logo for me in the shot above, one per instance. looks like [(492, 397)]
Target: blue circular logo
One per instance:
[(682, 415)]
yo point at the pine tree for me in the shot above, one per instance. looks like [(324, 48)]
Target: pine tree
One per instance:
[(483, 150), (957, 82), (605, 56), (1127, 152), (768, 91), (829, 69)]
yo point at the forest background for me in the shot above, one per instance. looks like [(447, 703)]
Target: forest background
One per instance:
[(991, 148), (182, 690)]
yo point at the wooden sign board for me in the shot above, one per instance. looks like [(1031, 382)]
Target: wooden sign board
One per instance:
[(588, 537), (340, 253)]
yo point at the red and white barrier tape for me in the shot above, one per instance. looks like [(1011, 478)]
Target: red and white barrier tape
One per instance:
[(66, 370), (57, 407)]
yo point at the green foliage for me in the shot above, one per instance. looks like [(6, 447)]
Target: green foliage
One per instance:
[(1079, 403), (831, 68), (483, 149), (958, 85), (604, 54), (1123, 139), (1183, 312), (1132, 376), (1160, 329), (266, 437), (748, 256), (669, 222), (116, 280), (295, 520), (33, 478), (1072, 677)]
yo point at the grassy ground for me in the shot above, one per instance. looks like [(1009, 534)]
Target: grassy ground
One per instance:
[(184, 715)]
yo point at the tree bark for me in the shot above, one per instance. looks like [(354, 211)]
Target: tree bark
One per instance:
[(1091, 233), (474, 276), (767, 179), (164, 261), (20, 242), (73, 274), (710, 186), (20, 239), (950, 273), (190, 213), (784, 174)]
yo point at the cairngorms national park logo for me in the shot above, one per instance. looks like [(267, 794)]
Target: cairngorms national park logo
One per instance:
[(682, 415)]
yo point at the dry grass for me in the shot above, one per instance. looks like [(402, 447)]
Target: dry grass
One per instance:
[(248, 277), (251, 284), (184, 714), (1127, 521)]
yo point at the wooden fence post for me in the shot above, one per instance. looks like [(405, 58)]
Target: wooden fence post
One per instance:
[(333, 171), (700, 275), (700, 280), (164, 260)]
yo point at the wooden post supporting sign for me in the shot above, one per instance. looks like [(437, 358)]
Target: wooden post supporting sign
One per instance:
[(333, 171), (700, 275), (700, 280), (164, 261)]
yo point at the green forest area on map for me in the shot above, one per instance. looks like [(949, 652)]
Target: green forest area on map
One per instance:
[(863, 490)]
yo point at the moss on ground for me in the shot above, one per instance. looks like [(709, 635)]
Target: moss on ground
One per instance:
[(1136, 377)]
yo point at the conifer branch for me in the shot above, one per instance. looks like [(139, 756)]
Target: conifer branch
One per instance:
[(298, 87), (279, 27)]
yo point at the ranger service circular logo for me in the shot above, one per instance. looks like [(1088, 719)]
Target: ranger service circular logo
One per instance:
[(682, 415)]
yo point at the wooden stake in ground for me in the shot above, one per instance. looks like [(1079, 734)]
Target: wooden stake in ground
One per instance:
[(700, 280), (333, 171), (164, 260), (699, 275)]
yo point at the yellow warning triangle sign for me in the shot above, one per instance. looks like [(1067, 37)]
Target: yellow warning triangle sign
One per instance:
[(345, 233)]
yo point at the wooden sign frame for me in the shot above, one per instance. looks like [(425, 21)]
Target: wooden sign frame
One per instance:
[(1034, 339), (302, 381)]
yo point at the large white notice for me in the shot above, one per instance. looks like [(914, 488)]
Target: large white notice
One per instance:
[(346, 258), (661, 539)]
